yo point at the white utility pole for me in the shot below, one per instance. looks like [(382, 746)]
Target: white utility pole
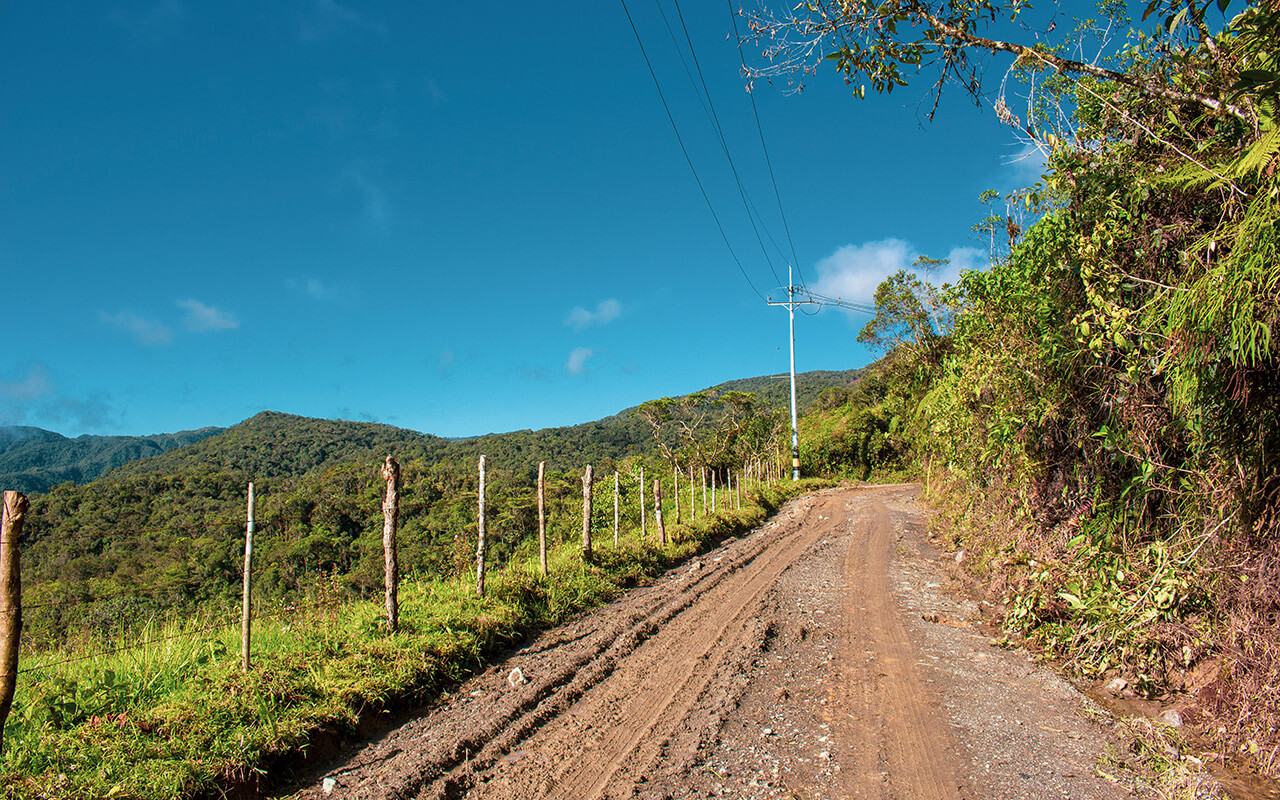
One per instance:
[(791, 303)]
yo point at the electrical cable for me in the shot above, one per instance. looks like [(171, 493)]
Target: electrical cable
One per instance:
[(724, 144), (685, 150), (768, 162)]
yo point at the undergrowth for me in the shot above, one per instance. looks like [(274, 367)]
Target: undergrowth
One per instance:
[(176, 718)]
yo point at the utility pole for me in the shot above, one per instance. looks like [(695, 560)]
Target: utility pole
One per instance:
[(811, 298), (791, 303)]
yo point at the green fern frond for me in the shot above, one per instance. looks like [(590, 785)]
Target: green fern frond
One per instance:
[(1259, 154)]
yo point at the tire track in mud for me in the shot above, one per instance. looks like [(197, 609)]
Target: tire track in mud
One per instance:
[(486, 733)]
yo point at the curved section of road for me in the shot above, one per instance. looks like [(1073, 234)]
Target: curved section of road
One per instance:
[(793, 662)]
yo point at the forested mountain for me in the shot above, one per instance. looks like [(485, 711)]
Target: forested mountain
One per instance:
[(33, 459), (164, 534)]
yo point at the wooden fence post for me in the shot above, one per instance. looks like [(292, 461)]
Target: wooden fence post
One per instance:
[(587, 481), (480, 538), (642, 505), (714, 507), (15, 511), (675, 491), (704, 491), (616, 500), (246, 609), (693, 508), (657, 511), (390, 521), (542, 516)]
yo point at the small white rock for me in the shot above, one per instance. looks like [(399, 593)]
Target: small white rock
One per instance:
[(960, 557), (1117, 685), (767, 731), (1172, 718), (328, 785), (516, 678)]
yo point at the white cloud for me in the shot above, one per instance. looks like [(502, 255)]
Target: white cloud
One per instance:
[(854, 271), (577, 363), (206, 319), (581, 319), (144, 332)]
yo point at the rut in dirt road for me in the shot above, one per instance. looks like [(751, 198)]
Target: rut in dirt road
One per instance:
[(779, 665)]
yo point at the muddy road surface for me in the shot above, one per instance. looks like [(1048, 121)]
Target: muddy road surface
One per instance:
[(824, 655)]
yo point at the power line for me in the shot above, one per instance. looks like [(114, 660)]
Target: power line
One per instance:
[(724, 145), (769, 163), (685, 150)]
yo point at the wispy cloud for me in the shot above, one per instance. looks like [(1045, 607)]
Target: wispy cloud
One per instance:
[(314, 288), (326, 19), (375, 209), (154, 24), (1024, 167), (606, 311), (201, 318), (32, 399), (29, 388), (434, 91), (854, 271), (577, 363), (144, 332)]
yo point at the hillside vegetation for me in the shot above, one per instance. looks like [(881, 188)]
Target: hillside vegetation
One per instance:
[(1098, 413)]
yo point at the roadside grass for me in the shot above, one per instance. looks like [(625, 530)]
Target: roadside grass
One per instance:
[(174, 716)]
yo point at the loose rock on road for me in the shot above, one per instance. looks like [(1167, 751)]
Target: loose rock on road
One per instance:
[(821, 656)]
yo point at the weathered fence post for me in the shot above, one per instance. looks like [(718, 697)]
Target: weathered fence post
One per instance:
[(480, 538), (15, 511), (390, 520), (714, 507), (542, 516), (675, 491), (616, 500), (642, 505), (693, 508), (704, 491), (657, 511), (246, 610), (587, 481)]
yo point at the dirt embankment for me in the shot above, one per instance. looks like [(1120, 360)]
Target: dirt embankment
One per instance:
[(820, 656)]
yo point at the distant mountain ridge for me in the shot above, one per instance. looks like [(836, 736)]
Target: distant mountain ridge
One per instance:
[(34, 459), (275, 444)]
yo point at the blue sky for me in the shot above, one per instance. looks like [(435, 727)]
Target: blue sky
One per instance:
[(457, 218)]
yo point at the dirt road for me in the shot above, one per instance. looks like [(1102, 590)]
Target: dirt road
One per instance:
[(821, 656)]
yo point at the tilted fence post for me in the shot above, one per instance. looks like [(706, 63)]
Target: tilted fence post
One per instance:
[(15, 511), (246, 610), (616, 515), (480, 538), (390, 520)]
